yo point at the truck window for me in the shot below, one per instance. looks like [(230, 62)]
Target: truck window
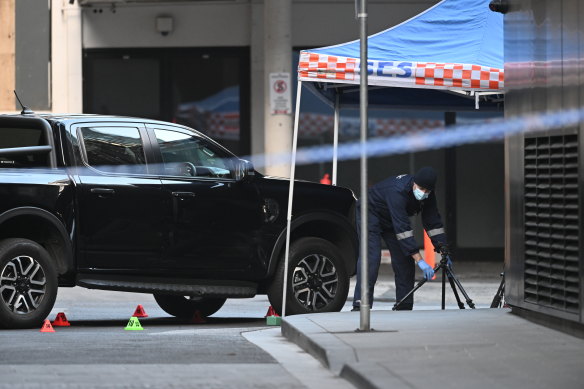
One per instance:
[(114, 149), (22, 137), (178, 149)]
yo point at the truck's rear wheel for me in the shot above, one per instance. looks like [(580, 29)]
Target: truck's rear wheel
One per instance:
[(185, 307), (28, 283), (317, 279)]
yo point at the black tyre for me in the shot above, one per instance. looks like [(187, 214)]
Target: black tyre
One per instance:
[(28, 283), (317, 279), (185, 307)]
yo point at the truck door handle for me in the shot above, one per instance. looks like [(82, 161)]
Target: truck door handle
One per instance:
[(102, 191), (183, 194)]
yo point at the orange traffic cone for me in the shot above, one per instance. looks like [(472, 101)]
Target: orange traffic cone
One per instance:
[(326, 179), (140, 312), (61, 320), (47, 327), (271, 312), (429, 255), (197, 318)]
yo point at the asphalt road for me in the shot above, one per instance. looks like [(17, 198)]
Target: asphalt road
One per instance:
[(233, 349), (96, 351)]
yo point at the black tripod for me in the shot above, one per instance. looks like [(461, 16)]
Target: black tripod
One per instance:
[(446, 272), (498, 300)]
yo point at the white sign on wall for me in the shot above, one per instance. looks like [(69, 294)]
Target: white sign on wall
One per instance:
[(280, 95)]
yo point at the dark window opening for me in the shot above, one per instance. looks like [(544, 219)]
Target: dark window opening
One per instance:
[(203, 88), (22, 137)]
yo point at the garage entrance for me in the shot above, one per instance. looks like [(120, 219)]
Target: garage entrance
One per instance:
[(204, 88)]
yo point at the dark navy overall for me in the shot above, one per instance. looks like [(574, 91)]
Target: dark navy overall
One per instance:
[(391, 204)]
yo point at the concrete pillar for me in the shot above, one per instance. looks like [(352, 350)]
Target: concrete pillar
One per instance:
[(257, 78), (277, 59), (66, 57), (7, 55)]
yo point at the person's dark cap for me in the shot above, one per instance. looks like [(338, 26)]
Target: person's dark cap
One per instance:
[(426, 178)]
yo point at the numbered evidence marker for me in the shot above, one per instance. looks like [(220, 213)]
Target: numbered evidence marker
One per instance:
[(134, 325), (274, 320), (47, 327)]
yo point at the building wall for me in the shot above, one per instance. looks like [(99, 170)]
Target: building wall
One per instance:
[(203, 24), (33, 47), (544, 50), (213, 23), (479, 197), (7, 54)]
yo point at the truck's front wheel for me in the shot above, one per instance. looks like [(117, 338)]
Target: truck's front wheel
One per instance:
[(317, 279), (28, 283)]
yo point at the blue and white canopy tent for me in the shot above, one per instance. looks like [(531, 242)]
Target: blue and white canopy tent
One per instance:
[(456, 45), (444, 59)]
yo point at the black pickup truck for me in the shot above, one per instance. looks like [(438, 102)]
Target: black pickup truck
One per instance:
[(137, 205)]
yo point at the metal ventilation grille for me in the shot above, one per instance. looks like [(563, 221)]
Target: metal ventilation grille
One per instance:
[(551, 222)]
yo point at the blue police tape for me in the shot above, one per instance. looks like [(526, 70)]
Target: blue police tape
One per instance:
[(428, 139)]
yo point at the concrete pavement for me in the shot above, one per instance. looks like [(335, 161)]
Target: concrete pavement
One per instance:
[(481, 348), (479, 279)]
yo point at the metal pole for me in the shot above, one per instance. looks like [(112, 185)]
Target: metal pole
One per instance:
[(291, 196), (364, 306), (336, 137)]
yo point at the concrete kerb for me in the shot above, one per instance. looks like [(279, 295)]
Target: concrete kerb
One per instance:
[(336, 355), (312, 338), (371, 376)]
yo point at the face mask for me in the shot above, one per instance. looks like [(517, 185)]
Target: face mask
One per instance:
[(420, 195)]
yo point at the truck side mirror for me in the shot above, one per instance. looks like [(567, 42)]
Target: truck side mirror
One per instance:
[(243, 170)]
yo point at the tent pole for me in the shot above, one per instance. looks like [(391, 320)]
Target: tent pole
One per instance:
[(291, 196), (365, 303), (336, 137)]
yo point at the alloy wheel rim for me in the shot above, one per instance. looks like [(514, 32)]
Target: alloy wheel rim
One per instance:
[(315, 282), (22, 284)]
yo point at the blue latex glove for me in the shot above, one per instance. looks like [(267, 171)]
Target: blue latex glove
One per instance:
[(427, 269)]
